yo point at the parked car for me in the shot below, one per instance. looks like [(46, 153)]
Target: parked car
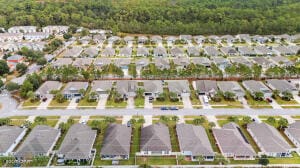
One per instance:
[(164, 108), (128, 124), (44, 99), (173, 108), (269, 100), (77, 100)]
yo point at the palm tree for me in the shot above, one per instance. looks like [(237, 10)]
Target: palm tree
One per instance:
[(258, 95), (200, 159), (198, 121), (180, 158), (140, 92), (175, 118), (40, 120)]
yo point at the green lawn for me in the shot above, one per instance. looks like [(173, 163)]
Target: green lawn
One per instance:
[(113, 104), (256, 104), (139, 102), (195, 100), (226, 104), (54, 104), (159, 160), (167, 101), (29, 104), (280, 101), (84, 102)]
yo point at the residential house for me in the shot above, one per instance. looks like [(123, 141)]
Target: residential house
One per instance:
[(193, 51), (73, 52), (230, 51), (260, 39), (206, 87), (156, 39), (22, 29), (241, 60), (128, 39), (113, 39), (186, 38), (269, 140), (231, 86), (55, 29), (13, 60), (282, 50), (160, 52), (142, 39), (263, 62), (91, 52), (155, 140), (123, 63), (140, 63), (99, 39), (62, 62), (194, 142), (77, 144), (257, 86), (44, 91), (72, 89), (108, 52), (125, 51), (39, 142), (170, 39), (177, 52), (293, 133), (181, 62), (263, 51), (162, 63), (180, 87), (244, 38), (82, 63), (85, 40), (221, 62), (116, 143), (281, 86), (127, 88), (294, 48), (100, 62), (201, 61), (142, 51), (212, 51), (36, 36), (199, 39), (282, 61), (101, 88), (10, 137), (233, 143), (246, 51), (4, 37), (228, 39), (214, 39), (152, 88)]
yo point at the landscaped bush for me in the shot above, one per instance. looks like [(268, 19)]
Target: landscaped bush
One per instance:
[(174, 99)]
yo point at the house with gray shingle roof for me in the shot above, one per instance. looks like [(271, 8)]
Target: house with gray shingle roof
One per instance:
[(221, 62), (186, 38), (241, 60), (22, 29), (128, 39), (263, 62), (282, 61), (282, 50), (229, 51), (181, 62), (170, 39), (153, 88), (194, 142), (177, 52), (11, 37), (10, 137), (160, 52), (156, 39), (127, 88), (100, 62), (72, 89), (155, 140), (82, 63), (228, 38), (193, 51), (113, 39), (142, 39), (77, 144), (260, 39), (201, 61), (212, 51), (116, 143), (101, 87), (206, 87), (55, 29), (269, 140), (257, 86), (293, 133), (231, 86), (263, 50), (246, 51), (90, 52), (39, 142), (180, 87), (125, 51), (108, 52), (244, 37), (142, 51), (213, 39), (233, 143), (122, 62), (295, 49), (73, 52), (44, 91), (62, 62), (140, 63), (199, 39), (281, 86), (162, 63)]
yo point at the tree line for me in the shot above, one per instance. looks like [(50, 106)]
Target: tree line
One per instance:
[(158, 16)]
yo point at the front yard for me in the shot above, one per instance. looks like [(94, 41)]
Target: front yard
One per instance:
[(31, 104), (56, 105), (167, 101), (226, 104), (256, 103)]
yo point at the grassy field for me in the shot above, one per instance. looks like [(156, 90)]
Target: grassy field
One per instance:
[(54, 104), (139, 102), (256, 104), (226, 104), (167, 101), (280, 101), (113, 104), (28, 103)]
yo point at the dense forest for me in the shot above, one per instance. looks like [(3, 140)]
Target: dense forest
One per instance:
[(158, 16)]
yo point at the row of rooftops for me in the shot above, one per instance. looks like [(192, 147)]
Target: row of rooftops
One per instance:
[(79, 140), (164, 63), (180, 52)]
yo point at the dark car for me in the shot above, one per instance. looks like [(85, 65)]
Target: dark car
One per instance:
[(128, 124), (173, 108), (77, 100), (164, 108), (269, 100), (44, 99)]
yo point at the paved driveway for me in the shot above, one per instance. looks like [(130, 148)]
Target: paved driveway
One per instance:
[(297, 98), (126, 118), (187, 104), (275, 105), (45, 104), (8, 103), (245, 103), (130, 103), (147, 104), (72, 104), (102, 101), (148, 120), (62, 119), (205, 105), (212, 118)]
